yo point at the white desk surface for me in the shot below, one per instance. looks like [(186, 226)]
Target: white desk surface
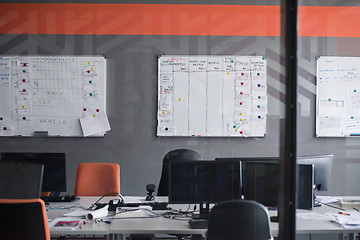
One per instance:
[(55, 209), (161, 225)]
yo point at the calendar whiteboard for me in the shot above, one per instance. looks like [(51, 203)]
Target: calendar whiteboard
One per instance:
[(53, 96), (338, 97), (220, 96)]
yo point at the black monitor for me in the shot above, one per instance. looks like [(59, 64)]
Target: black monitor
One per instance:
[(322, 169), (54, 179), (261, 181), (203, 182), (20, 180)]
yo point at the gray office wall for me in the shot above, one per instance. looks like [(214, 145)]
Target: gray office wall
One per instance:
[(132, 104)]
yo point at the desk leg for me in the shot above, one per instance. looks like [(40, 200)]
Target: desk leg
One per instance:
[(347, 236), (115, 237)]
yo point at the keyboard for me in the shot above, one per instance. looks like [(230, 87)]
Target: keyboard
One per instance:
[(67, 198), (198, 223), (154, 205)]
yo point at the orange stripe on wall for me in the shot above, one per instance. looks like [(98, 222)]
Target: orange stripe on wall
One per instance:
[(173, 19), (140, 19), (329, 21)]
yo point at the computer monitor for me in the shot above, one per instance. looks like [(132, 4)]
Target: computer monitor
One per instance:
[(261, 181), (243, 161), (322, 169), (203, 182), (20, 180), (54, 179)]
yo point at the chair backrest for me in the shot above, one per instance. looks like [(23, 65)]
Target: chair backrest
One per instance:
[(245, 219), (23, 219), (174, 155), (97, 179)]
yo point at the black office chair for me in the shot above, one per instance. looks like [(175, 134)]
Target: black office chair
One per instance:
[(245, 219), (174, 155)]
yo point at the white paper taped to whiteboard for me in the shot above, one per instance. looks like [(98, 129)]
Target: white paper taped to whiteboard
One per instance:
[(212, 96)]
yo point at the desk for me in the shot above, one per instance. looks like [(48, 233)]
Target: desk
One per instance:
[(162, 225), (57, 209)]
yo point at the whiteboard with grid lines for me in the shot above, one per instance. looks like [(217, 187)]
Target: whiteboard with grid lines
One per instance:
[(48, 95)]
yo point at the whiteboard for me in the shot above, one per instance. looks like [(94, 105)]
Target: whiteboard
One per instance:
[(217, 96), (338, 97), (53, 96)]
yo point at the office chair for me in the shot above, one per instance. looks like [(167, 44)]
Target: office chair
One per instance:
[(174, 155), (244, 220), (97, 179), (23, 219)]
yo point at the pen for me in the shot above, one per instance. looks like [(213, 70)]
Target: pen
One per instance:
[(344, 213), (356, 209)]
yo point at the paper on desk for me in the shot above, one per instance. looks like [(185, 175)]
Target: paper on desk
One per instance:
[(314, 216), (130, 199), (65, 223), (89, 214), (327, 199), (347, 221), (126, 212)]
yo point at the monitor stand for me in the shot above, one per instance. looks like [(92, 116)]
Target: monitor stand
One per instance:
[(200, 221), (204, 212)]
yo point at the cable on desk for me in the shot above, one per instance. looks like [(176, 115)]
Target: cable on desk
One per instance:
[(112, 193), (329, 205), (67, 208)]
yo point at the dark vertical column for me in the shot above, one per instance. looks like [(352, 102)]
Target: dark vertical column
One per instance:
[(287, 206)]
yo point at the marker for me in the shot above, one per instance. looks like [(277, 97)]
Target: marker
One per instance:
[(344, 213)]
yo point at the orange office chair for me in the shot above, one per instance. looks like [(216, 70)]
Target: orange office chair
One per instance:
[(97, 179), (23, 219)]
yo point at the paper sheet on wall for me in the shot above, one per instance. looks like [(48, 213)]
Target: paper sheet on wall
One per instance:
[(212, 96), (49, 94)]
